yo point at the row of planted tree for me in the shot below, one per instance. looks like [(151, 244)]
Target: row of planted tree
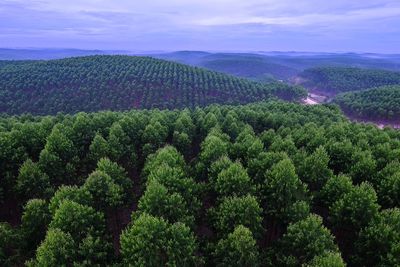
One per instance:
[(121, 83), (379, 103), (268, 184)]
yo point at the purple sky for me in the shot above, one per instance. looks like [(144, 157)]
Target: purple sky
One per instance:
[(217, 25)]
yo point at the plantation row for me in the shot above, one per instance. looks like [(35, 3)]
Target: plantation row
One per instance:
[(121, 83), (377, 103), (335, 80), (268, 184)]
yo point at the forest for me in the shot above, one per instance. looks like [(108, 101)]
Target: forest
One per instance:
[(262, 184), (380, 103), (118, 83), (334, 80), (253, 67)]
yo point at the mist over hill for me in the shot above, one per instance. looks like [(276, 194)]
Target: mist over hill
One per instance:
[(280, 65)]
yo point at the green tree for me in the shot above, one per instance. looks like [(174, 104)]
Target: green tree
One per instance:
[(117, 174), (363, 166), (233, 211), (212, 148), (234, 180), (167, 155), (73, 193), (247, 145), (78, 220), (315, 171), (355, 209), (230, 124), (389, 190), (329, 259), (175, 180), (184, 124), (285, 145), (158, 202), (282, 188), (239, 249), (118, 143), (305, 240), (34, 221), (32, 182), (94, 251), (182, 142), (151, 241), (58, 249), (9, 246), (334, 189), (104, 191), (298, 211), (218, 166), (378, 242), (340, 154), (98, 148), (58, 159), (154, 136), (259, 166)]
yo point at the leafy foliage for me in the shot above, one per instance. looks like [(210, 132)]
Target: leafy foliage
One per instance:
[(238, 249), (268, 184), (151, 241), (305, 240)]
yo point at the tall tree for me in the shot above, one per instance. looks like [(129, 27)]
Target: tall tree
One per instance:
[(239, 248), (234, 211), (32, 182), (151, 241), (34, 221), (305, 240), (281, 189)]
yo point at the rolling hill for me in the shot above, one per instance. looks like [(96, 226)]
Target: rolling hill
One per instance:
[(263, 66), (333, 80), (380, 103), (121, 83), (250, 66)]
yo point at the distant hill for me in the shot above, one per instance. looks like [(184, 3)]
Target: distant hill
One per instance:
[(121, 83), (53, 53), (335, 80), (252, 67), (264, 66), (258, 66), (377, 103)]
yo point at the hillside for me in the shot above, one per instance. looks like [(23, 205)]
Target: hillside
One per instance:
[(333, 80), (382, 103), (121, 83), (249, 66), (264, 184), (279, 65)]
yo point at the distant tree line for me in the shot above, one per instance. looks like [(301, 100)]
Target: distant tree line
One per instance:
[(335, 80), (121, 83), (266, 184), (250, 66)]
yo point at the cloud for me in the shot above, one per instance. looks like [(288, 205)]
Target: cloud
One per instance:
[(203, 24)]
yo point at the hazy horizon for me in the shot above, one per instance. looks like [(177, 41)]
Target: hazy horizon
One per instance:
[(371, 26)]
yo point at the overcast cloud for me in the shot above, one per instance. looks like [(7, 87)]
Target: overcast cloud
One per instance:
[(228, 25)]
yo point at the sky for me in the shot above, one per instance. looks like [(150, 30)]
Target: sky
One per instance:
[(208, 25)]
